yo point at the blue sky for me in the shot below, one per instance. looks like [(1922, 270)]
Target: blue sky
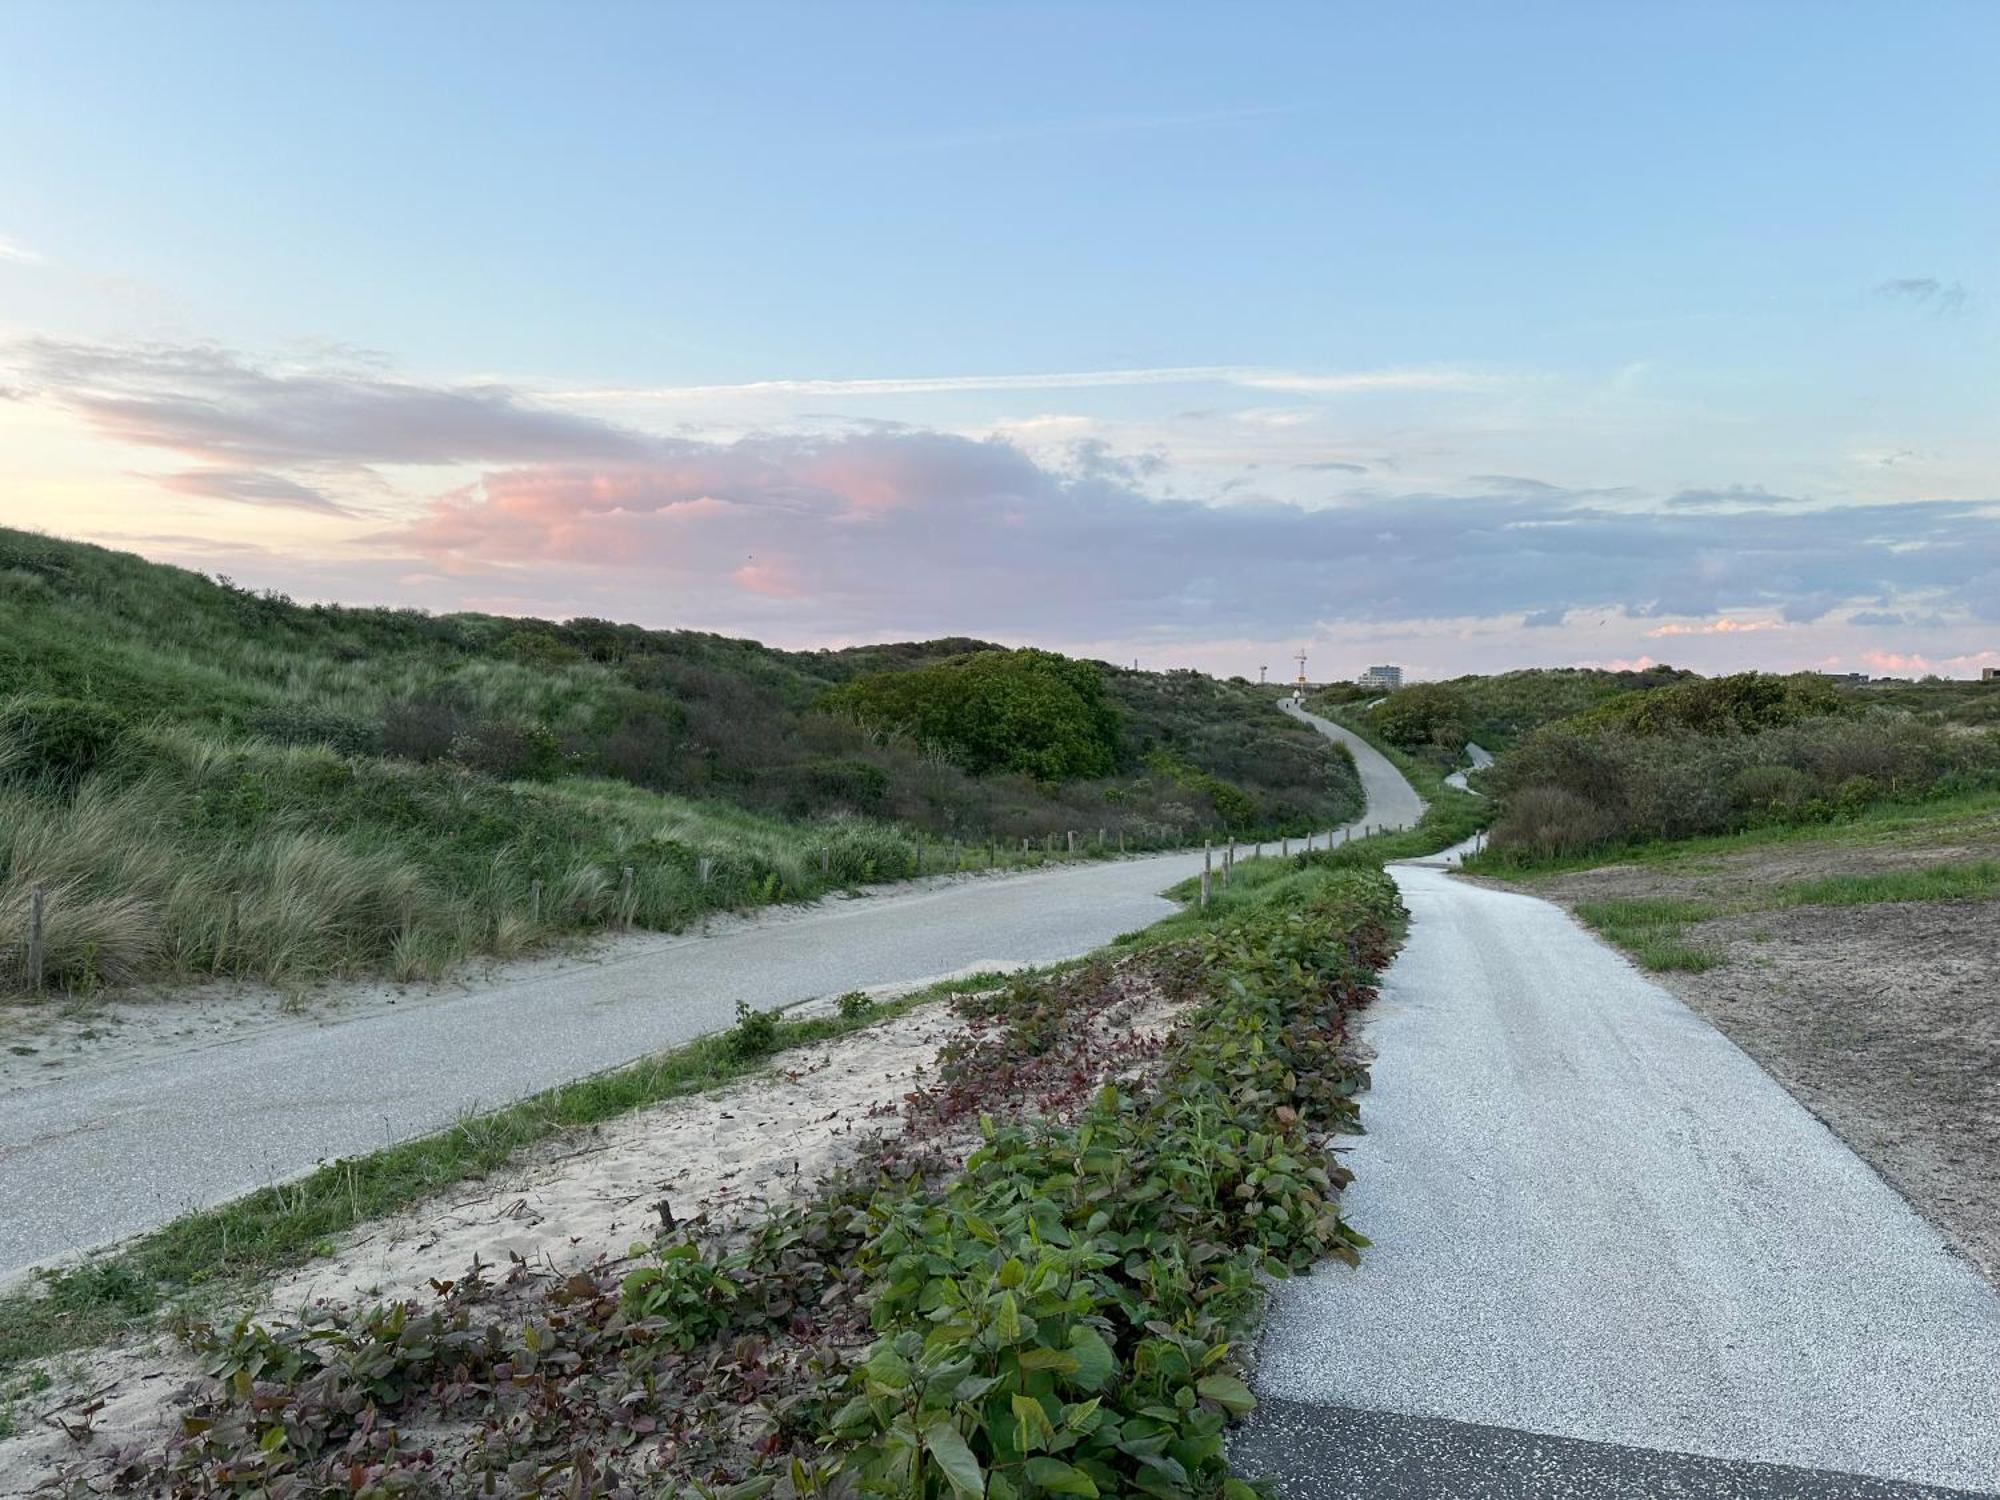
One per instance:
[(1191, 333)]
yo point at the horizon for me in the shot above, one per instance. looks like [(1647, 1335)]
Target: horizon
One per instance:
[(1457, 340)]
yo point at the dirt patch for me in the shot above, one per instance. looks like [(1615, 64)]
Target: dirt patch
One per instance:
[(1884, 1020)]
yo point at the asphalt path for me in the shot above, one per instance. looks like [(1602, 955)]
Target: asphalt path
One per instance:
[(93, 1159), (1611, 1257)]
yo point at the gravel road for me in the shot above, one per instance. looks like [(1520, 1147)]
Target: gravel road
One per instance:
[(1611, 1257), (89, 1160), (1392, 801)]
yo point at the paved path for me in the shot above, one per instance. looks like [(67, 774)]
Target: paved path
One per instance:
[(92, 1159), (1480, 761), (1611, 1258), (1392, 801)]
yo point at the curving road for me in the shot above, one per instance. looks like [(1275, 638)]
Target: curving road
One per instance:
[(1392, 801), (89, 1160), (1611, 1258)]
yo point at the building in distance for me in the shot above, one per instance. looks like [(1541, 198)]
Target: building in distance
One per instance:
[(1384, 679)]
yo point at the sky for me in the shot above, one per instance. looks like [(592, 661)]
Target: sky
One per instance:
[(1459, 337)]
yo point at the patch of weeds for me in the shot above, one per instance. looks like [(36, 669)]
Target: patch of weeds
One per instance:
[(754, 1035), (1976, 881), (855, 1005), (1653, 929)]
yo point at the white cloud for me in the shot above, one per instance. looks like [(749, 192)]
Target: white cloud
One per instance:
[(1247, 377)]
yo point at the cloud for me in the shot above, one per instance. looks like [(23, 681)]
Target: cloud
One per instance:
[(1877, 617), (251, 487), (1247, 377), (1331, 466), (211, 404), (1942, 298), (1544, 619), (925, 532), (13, 250)]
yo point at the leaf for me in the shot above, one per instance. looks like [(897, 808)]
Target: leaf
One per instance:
[(1227, 1392), (960, 1465), (1012, 1272), (1032, 1424), (1048, 1359), (888, 1369), (1095, 1363), (1007, 1321), (1062, 1479)]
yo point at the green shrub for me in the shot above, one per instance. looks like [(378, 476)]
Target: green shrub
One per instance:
[(754, 1035), (510, 751), (1427, 716), (1033, 712), (1747, 703), (302, 724)]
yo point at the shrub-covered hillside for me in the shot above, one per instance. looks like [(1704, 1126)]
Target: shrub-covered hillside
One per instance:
[(1714, 755), (200, 779), (1437, 719)]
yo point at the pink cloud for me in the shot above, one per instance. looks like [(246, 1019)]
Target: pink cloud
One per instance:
[(1897, 663), (772, 580), (1714, 627)]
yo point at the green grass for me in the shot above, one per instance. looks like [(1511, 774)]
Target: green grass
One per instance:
[(1977, 881), (219, 1255), (1654, 931)]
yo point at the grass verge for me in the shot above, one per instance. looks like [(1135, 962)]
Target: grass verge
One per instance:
[(1654, 931)]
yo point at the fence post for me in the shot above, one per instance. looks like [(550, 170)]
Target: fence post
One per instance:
[(1285, 847), (535, 902), (1100, 839), (625, 896), (1072, 841), (702, 866), (1260, 850), (1207, 861), (35, 938), (825, 861), (1121, 841)]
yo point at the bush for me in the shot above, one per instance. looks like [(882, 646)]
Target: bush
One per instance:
[(510, 751), (1747, 703), (1034, 712), (301, 724), (1667, 781), (1549, 822), (754, 1035), (1426, 716)]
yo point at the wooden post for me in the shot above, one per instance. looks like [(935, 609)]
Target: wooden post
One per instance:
[(825, 861), (702, 867), (1072, 841), (1260, 850), (625, 897), (1121, 841), (35, 901), (1285, 847), (1100, 838), (535, 902), (1024, 848), (1207, 860)]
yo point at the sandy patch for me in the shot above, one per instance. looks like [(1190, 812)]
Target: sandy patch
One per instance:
[(1883, 1020)]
